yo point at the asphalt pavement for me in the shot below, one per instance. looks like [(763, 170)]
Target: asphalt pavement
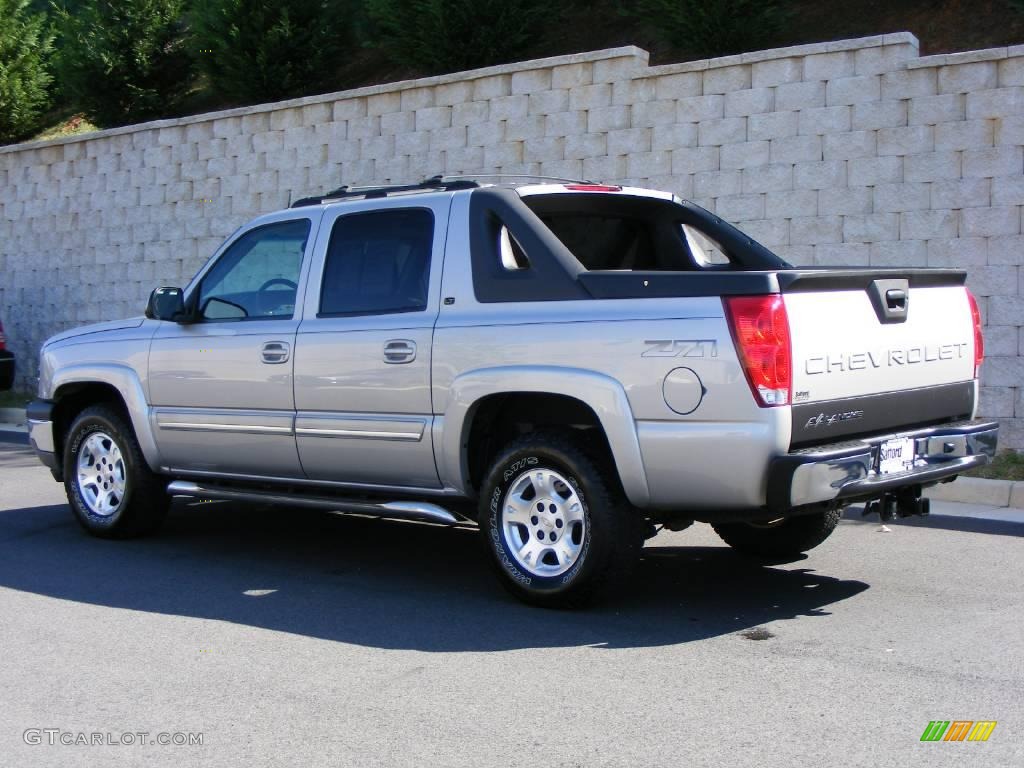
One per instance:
[(289, 637)]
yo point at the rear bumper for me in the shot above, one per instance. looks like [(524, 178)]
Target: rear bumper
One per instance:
[(6, 369), (849, 471)]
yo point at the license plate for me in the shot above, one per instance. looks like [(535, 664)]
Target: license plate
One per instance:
[(896, 456)]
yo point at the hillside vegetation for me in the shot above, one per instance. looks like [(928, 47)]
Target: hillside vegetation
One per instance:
[(70, 66)]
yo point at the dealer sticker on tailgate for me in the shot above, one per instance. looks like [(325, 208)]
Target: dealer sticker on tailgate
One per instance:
[(896, 456)]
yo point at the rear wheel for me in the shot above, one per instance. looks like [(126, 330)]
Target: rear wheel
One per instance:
[(559, 533), (109, 486), (780, 538)]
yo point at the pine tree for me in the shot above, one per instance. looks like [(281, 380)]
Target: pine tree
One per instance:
[(712, 27), (123, 61), (25, 46), (262, 50), (449, 35)]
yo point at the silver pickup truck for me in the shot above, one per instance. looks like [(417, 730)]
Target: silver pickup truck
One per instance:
[(570, 365)]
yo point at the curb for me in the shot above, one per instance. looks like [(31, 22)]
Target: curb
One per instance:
[(977, 490), (13, 436), (13, 416), (13, 426)]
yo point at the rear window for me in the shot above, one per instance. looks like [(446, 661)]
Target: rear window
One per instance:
[(607, 242), (620, 232)]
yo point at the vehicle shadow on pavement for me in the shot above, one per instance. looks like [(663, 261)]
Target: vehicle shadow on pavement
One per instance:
[(386, 584)]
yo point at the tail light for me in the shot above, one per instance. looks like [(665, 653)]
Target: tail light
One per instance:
[(979, 340), (760, 331), (593, 187), (3, 339)]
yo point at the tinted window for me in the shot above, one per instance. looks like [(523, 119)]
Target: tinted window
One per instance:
[(257, 276), (632, 232), (606, 242), (378, 262)]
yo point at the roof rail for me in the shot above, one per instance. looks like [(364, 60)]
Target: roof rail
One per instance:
[(532, 176), (435, 183)]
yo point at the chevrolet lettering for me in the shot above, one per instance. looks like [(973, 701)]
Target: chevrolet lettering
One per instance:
[(859, 361)]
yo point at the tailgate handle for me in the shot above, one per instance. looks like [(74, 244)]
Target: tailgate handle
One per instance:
[(896, 299), (891, 299)]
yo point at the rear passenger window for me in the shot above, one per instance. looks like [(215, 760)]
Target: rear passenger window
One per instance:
[(378, 263)]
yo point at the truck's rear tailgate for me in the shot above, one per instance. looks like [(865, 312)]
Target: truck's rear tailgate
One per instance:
[(858, 367)]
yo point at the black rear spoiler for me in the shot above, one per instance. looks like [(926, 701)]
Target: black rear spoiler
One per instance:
[(843, 279), (615, 284)]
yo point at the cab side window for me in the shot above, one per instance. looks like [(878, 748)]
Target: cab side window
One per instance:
[(257, 277), (378, 263)]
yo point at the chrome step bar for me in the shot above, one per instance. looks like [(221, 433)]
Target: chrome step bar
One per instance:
[(398, 510)]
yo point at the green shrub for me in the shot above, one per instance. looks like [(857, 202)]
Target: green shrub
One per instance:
[(261, 50), (712, 27), (451, 35), (123, 61), (1007, 465), (25, 46)]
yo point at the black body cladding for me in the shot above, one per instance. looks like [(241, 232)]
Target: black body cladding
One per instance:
[(824, 422)]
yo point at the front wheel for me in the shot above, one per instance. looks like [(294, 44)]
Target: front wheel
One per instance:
[(787, 537), (109, 486), (558, 532)]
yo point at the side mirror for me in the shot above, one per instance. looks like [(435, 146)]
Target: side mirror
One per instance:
[(166, 304)]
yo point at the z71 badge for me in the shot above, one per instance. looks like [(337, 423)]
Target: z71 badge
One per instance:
[(681, 348)]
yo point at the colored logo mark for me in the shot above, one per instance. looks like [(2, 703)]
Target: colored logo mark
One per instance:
[(958, 730)]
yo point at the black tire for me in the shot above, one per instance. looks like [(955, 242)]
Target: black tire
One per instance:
[(144, 504), (610, 540), (791, 537)]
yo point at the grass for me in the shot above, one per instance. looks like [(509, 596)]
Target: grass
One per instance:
[(1007, 465), (66, 126), (14, 399)]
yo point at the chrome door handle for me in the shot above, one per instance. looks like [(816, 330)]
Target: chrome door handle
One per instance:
[(275, 352), (399, 351)]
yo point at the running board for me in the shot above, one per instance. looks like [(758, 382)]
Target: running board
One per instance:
[(399, 510)]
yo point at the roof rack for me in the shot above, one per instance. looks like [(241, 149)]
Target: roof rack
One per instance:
[(434, 183), (439, 183), (532, 176)]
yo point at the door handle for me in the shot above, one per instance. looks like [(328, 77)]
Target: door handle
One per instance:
[(399, 351), (275, 352)]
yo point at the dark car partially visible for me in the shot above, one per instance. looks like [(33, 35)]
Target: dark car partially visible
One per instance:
[(6, 362)]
